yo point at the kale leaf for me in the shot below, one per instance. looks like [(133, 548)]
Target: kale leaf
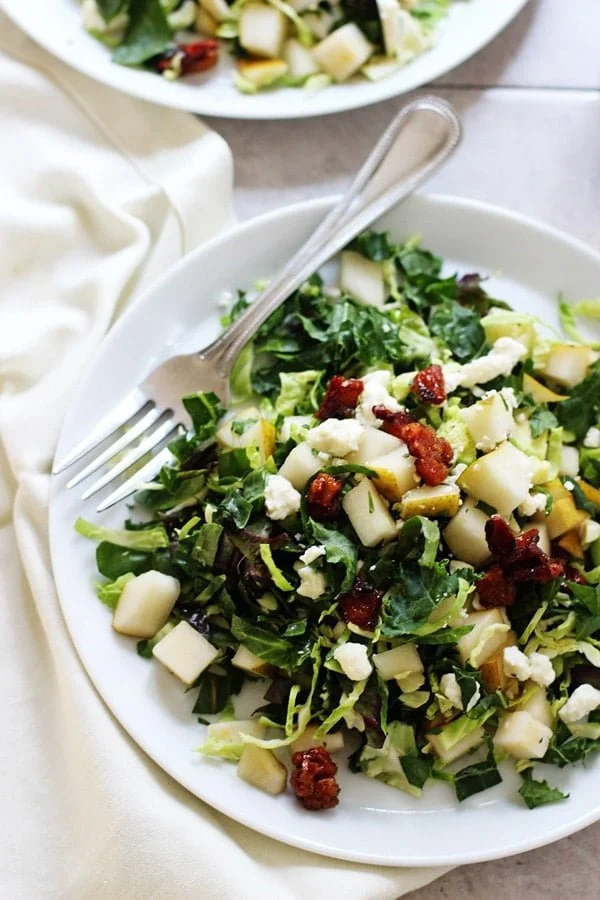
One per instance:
[(578, 413), (148, 34), (417, 591), (459, 327), (538, 793)]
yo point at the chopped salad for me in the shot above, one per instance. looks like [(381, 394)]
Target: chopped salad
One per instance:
[(294, 43), (394, 531)]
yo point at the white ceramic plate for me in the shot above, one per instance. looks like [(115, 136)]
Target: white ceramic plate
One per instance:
[(373, 823), (56, 25)]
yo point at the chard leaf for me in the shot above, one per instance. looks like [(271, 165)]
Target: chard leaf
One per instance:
[(148, 34)]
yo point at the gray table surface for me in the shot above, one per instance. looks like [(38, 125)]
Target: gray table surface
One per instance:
[(530, 103)]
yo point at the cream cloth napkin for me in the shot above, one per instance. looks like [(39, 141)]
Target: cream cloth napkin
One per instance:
[(99, 193)]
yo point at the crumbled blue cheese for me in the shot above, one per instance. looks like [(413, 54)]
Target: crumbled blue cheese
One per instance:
[(535, 667), (451, 690), (376, 393), (312, 553), (336, 436), (592, 438), (584, 700), (353, 660), (312, 583), (501, 360), (541, 669), (281, 498)]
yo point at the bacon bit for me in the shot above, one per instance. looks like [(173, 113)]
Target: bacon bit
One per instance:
[(323, 501), (197, 56), (341, 398), (429, 387), (518, 559), (433, 454), (361, 606), (314, 782)]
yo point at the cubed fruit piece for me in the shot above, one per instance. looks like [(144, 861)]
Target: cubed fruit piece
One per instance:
[(465, 535), (300, 464), (231, 731), (261, 768), (248, 429), (262, 73), (489, 421), (205, 24), (390, 16), (522, 736), (296, 426), (569, 462), (368, 514), (319, 23), (373, 444), (557, 490), (145, 604), (217, 9), (501, 478), (591, 493), (380, 67), (185, 652), (395, 473), (492, 670), (361, 277), (300, 60), (564, 517), (332, 742), (496, 326), (539, 391), (537, 705), (544, 541), (489, 633), (343, 52), (398, 661), (567, 364), (571, 542), (262, 29), (441, 500), (249, 662), (448, 750)]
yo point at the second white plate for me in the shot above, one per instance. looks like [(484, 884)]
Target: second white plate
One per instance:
[(528, 265)]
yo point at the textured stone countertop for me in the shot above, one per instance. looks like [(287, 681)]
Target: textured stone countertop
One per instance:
[(530, 103)]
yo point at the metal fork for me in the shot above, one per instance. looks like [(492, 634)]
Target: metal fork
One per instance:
[(416, 143)]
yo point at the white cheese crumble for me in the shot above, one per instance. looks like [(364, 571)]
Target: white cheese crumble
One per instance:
[(375, 394), (589, 532), (535, 667), (532, 504), (501, 360), (281, 498), (225, 299), (312, 583), (569, 485), (569, 462), (353, 660), (336, 436), (592, 438), (584, 700), (451, 690), (312, 553)]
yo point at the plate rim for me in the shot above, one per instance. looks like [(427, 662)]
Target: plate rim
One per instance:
[(474, 855), (15, 10)]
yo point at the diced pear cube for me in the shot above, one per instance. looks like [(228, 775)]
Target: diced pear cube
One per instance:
[(332, 742), (441, 500), (571, 542), (368, 514), (300, 464), (539, 707), (569, 462), (495, 328), (218, 9), (539, 391), (262, 72), (497, 637), (205, 24), (489, 421), (522, 736), (342, 53), (395, 473), (261, 768), (361, 277), (592, 493), (398, 661), (544, 541), (231, 731), (300, 60), (248, 429), (449, 753), (465, 535), (145, 604), (295, 425), (249, 662), (492, 670), (567, 364), (564, 517), (501, 478), (185, 652), (380, 67), (372, 444), (392, 29), (319, 23), (262, 29)]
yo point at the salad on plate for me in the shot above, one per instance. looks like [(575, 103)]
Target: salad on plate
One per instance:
[(393, 534), (293, 43)]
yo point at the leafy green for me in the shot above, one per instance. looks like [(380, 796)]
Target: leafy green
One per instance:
[(430, 12), (364, 14), (207, 543), (538, 793), (477, 777), (148, 33), (279, 579), (565, 748), (375, 245), (339, 550), (110, 8), (581, 501), (215, 690), (415, 595), (459, 328), (146, 539), (454, 430), (240, 380), (589, 460), (110, 591), (578, 413), (295, 389), (541, 420), (282, 652)]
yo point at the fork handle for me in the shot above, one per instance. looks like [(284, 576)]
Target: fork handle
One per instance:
[(419, 139)]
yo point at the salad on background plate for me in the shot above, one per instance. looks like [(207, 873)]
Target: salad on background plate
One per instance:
[(293, 43), (394, 532)]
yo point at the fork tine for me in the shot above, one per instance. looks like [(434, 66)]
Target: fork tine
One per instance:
[(129, 407), (146, 473), (131, 435), (164, 430)]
